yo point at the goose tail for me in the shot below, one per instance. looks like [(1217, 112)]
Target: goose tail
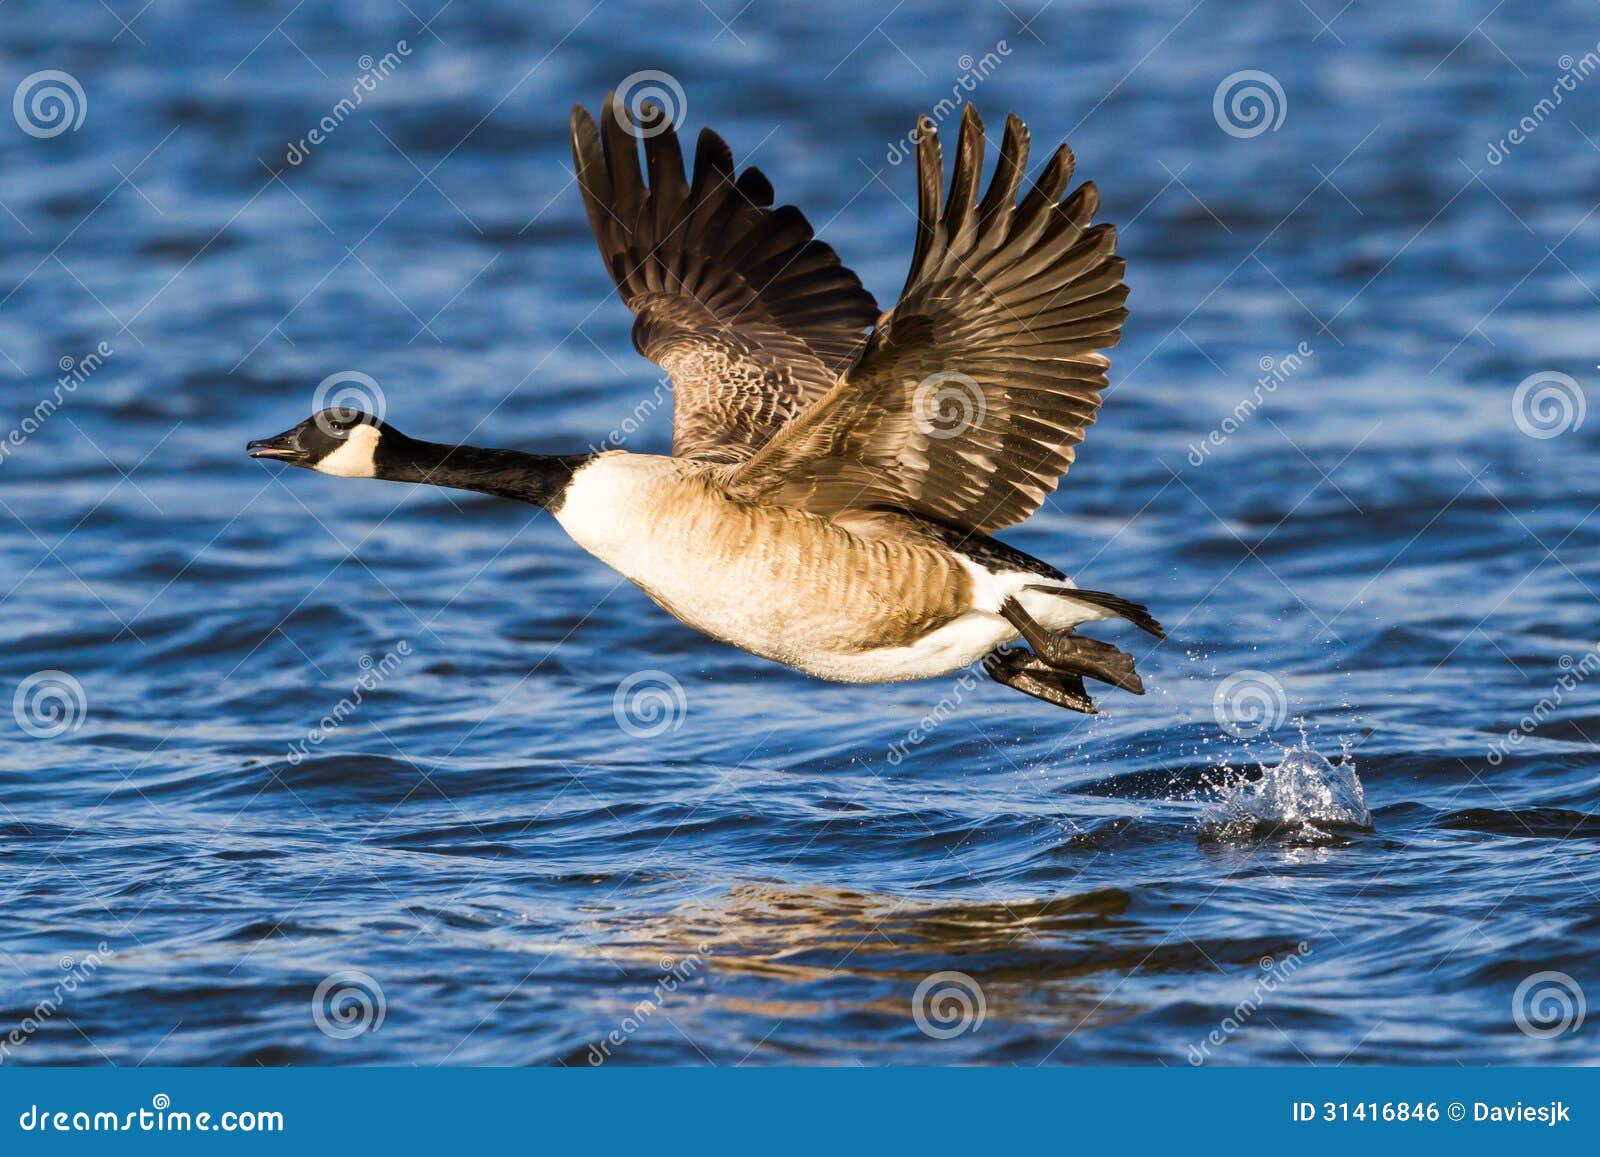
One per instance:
[(1136, 613)]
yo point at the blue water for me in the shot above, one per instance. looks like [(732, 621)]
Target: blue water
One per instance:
[(761, 868)]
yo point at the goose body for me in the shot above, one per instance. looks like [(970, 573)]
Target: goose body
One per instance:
[(836, 474), (869, 604)]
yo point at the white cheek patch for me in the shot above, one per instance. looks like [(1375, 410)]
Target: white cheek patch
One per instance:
[(356, 458)]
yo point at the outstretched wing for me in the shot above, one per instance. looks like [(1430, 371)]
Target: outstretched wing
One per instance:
[(751, 317), (970, 398)]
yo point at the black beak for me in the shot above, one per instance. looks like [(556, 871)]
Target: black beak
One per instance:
[(285, 446)]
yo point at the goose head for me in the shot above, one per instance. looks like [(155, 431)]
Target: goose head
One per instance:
[(349, 443), (338, 441)]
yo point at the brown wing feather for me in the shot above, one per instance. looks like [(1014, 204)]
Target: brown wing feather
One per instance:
[(751, 317), (969, 400)]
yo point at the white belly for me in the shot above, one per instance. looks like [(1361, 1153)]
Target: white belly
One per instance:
[(961, 643), (949, 648)]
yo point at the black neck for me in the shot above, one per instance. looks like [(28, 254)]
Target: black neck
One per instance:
[(537, 478)]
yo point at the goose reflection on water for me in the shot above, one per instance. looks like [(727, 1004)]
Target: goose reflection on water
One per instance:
[(1041, 963)]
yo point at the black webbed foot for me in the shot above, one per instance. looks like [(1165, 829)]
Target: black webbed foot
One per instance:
[(1096, 659), (1024, 671), (1075, 654)]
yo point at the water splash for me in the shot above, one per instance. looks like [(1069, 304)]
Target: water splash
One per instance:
[(1305, 797)]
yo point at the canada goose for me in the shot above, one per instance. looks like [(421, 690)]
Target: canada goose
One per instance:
[(831, 491)]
